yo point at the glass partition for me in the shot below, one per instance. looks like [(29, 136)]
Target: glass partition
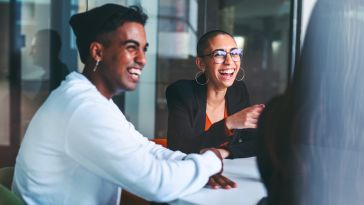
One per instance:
[(261, 28), (28, 72), (4, 72), (47, 51)]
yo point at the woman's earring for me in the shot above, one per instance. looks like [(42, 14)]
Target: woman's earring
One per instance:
[(242, 78), (96, 65), (198, 74)]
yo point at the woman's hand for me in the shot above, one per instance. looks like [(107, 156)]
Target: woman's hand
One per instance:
[(246, 118)]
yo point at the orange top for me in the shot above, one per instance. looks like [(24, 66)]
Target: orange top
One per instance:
[(160, 141), (208, 123)]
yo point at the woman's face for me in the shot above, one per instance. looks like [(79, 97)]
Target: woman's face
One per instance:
[(221, 69)]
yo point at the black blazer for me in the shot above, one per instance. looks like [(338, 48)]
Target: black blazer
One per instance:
[(186, 102)]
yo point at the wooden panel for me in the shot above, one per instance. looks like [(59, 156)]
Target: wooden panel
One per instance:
[(128, 198)]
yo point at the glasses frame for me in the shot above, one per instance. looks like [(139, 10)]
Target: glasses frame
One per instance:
[(214, 58)]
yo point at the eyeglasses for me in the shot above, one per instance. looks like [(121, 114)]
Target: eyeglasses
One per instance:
[(219, 55)]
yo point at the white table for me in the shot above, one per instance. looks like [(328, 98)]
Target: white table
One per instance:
[(249, 191)]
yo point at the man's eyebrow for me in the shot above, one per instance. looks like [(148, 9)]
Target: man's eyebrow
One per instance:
[(134, 42), (131, 41)]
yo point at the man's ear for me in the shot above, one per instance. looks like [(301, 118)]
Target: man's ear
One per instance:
[(200, 64), (96, 51)]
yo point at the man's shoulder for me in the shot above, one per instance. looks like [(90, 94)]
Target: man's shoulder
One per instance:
[(76, 91), (76, 85)]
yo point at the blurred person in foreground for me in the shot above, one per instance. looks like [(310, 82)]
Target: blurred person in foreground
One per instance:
[(311, 140), (80, 149)]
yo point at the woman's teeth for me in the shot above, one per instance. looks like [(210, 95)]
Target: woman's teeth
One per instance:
[(227, 72)]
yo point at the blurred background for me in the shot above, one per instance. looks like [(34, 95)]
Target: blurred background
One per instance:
[(313, 47), (265, 29)]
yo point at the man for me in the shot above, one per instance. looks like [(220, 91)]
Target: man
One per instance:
[(80, 149)]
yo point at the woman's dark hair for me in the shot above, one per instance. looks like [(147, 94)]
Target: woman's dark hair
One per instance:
[(203, 42)]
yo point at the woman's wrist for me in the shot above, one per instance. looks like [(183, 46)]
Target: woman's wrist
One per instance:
[(228, 123)]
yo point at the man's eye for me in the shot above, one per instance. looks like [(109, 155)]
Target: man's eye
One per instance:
[(220, 53), (131, 48)]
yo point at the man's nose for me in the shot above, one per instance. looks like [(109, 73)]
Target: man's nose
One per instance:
[(141, 58)]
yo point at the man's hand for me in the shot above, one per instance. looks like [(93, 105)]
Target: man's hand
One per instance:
[(219, 181)]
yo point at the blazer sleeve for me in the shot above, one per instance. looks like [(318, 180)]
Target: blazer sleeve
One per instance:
[(243, 143), (183, 133)]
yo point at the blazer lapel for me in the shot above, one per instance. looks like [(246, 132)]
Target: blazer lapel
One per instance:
[(231, 104), (234, 99), (201, 97)]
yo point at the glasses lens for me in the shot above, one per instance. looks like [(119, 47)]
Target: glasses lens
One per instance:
[(236, 54), (219, 56)]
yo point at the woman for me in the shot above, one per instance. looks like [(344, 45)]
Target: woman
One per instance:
[(213, 110)]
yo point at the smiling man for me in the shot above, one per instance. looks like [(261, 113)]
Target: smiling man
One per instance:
[(80, 149)]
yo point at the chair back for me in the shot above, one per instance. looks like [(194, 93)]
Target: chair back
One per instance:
[(6, 195), (6, 176)]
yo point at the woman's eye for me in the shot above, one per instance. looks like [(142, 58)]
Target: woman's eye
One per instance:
[(235, 52)]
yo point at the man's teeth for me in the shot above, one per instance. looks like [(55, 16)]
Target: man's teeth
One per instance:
[(228, 71), (134, 71)]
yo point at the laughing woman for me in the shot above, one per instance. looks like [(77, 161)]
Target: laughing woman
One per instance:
[(214, 109)]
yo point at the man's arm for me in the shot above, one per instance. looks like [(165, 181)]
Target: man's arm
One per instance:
[(104, 142)]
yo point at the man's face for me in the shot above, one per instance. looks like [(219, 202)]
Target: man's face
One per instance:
[(123, 57), (39, 52)]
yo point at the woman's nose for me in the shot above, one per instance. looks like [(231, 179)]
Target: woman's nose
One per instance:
[(228, 59)]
